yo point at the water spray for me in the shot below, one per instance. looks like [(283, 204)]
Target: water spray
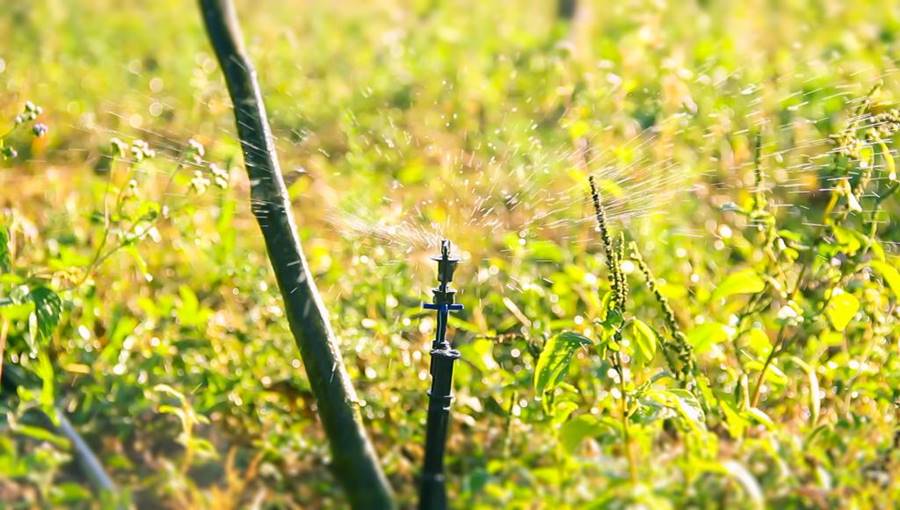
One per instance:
[(433, 492)]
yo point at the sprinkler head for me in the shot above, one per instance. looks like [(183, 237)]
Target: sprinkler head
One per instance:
[(443, 294)]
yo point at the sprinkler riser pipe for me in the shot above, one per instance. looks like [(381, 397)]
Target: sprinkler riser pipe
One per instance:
[(440, 398), (433, 491)]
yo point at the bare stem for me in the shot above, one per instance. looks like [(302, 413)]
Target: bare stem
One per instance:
[(776, 349), (629, 447)]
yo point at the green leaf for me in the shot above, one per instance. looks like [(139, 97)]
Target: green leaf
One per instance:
[(742, 282), (562, 410), (610, 317), (41, 434), (841, 309), (555, 359), (47, 309), (689, 408), (191, 312), (412, 173), (735, 423), (545, 251), (682, 402), (644, 340), (889, 274), (849, 241), (5, 265), (759, 416), (759, 342), (69, 493), (877, 250), (576, 430), (480, 354), (605, 306), (889, 164), (47, 398), (706, 335)]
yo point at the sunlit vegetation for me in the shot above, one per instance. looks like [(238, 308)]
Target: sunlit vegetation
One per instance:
[(677, 224)]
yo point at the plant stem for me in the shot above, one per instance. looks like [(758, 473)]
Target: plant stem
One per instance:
[(629, 447), (776, 349), (4, 331), (617, 283)]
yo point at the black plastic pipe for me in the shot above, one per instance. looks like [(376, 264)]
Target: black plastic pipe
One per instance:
[(433, 490)]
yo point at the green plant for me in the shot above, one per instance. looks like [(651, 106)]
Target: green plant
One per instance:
[(718, 154)]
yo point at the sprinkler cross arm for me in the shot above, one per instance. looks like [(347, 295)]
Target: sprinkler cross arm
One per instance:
[(443, 307)]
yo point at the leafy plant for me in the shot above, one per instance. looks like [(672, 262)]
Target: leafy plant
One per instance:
[(740, 320)]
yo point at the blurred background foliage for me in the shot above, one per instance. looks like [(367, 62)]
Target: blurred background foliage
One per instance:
[(137, 299)]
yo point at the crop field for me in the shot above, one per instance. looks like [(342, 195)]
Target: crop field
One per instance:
[(675, 225)]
